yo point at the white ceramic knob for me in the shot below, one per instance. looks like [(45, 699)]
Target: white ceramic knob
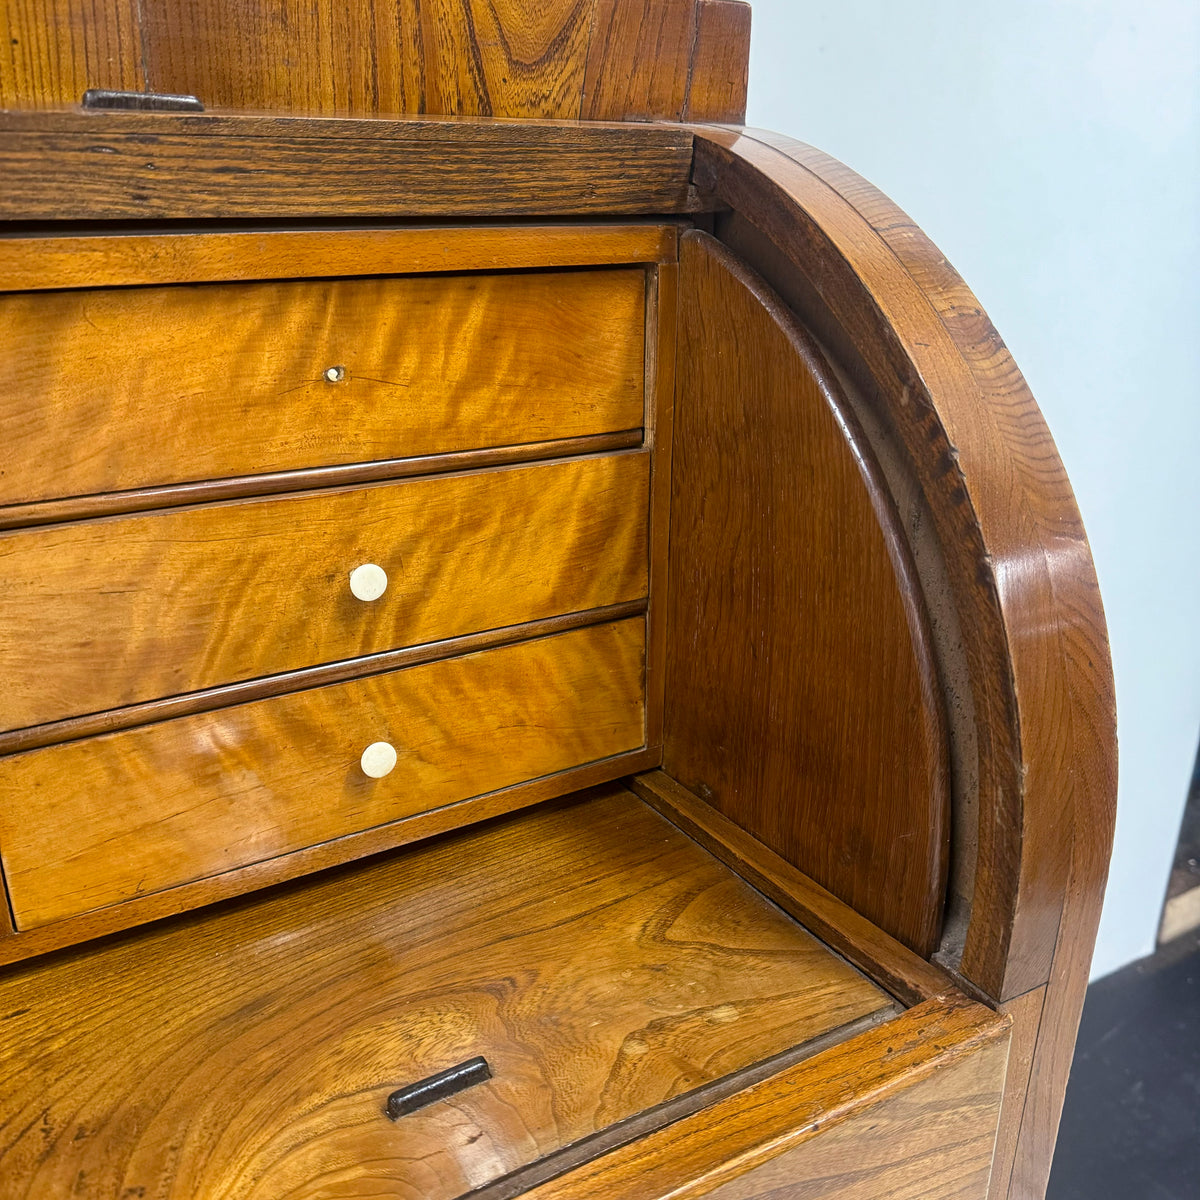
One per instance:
[(368, 582), (378, 759)]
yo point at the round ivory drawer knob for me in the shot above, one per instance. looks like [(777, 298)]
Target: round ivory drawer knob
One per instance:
[(368, 582), (378, 759)]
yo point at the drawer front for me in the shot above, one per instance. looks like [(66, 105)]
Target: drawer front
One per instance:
[(99, 614), (98, 821), (119, 389)]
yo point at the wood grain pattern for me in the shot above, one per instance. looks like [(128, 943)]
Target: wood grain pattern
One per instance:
[(53, 50), (1034, 1142), (720, 62), (802, 698), (90, 167), (207, 491), (473, 58), (131, 387), (71, 931), (248, 1052), (71, 729), (656, 86), (35, 262), (127, 609), (103, 820), (905, 974), (561, 59), (932, 1142), (954, 1053), (1020, 573)]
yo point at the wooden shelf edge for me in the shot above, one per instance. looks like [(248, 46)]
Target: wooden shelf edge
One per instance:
[(52, 733), (892, 965), (244, 487)]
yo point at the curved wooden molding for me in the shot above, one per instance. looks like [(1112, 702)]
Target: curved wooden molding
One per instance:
[(802, 696), (905, 326)]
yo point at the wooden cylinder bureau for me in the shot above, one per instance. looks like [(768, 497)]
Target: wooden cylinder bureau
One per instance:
[(545, 647)]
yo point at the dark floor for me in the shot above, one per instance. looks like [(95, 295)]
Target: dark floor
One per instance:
[(1131, 1125), (1186, 873)]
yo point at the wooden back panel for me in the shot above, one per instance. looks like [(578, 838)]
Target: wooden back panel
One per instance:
[(802, 697), (566, 59)]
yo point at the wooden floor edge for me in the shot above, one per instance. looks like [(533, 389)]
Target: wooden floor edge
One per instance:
[(699, 1153), (889, 963)]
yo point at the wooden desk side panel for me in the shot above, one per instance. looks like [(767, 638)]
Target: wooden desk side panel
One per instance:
[(931, 1142), (802, 697), (916, 341), (909, 1106)]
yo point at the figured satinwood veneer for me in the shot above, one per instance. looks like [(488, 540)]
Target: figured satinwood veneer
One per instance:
[(96, 615), (114, 389), (601, 961), (205, 794)]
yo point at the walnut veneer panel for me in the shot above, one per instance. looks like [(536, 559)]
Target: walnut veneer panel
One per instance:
[(116, 389), (96, 614), (601, 960), (802, 694), (105, 819)]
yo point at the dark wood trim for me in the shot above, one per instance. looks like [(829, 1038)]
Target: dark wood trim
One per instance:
[(245, 692), (80, 166), (892, 965), (79, 508)]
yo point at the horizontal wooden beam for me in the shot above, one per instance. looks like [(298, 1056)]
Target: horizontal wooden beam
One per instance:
[(132, 166), (123, 257)]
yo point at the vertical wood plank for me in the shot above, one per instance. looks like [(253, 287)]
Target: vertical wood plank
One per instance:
[(1026, 1013), (662, 301), (639, 60), (53, 50), (720, 63)]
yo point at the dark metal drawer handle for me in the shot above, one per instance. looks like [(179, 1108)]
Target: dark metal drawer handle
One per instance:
[(102, 99), (437, 1087)]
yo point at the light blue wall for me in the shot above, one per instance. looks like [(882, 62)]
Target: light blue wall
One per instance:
[(1052, 150)]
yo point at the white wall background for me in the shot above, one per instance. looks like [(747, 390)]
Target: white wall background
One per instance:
[(1052, 150)]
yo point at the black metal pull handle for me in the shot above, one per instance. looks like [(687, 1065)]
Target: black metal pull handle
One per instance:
[(437, 1087), (104, 99)]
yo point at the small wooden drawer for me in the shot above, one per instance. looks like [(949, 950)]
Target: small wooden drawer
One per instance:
[(106, 613), (98, 821), (601, 961), (110, 390)]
